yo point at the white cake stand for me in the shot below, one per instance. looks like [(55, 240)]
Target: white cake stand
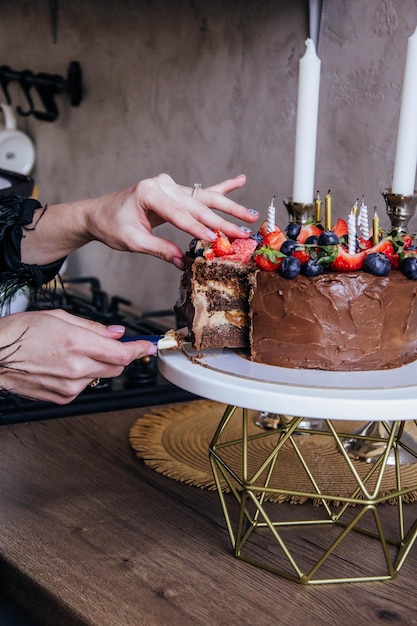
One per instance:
[(388, 397)]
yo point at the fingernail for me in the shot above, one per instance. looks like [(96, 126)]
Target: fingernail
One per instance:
[(210, 235), (116, 328), (245, 229), (152, 350), (253, 212), (179, 263)]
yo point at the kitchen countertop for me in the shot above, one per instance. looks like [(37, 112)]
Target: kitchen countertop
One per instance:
[(90, 535)]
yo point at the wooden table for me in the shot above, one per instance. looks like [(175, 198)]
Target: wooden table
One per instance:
[(90, 535)]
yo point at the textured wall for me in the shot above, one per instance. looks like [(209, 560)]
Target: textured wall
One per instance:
[(205, 90)]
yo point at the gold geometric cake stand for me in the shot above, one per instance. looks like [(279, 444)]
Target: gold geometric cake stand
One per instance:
[(344, 528), (252, 519)]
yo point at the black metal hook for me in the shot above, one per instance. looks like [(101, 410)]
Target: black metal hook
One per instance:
[(47, 86)]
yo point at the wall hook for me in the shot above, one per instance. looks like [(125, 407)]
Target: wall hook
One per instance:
[(47, 86)]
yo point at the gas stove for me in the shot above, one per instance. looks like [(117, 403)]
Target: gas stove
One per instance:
[(140, 384)]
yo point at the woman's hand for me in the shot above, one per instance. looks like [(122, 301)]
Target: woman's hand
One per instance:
[(53, 356), (124, 220)]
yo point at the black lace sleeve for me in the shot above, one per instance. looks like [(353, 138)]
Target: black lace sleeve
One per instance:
[(16, 213)]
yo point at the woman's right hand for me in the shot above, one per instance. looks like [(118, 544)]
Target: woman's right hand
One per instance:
[(53, 355)]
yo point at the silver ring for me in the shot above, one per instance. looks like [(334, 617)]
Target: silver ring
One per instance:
[(94, 382), (197, 186)]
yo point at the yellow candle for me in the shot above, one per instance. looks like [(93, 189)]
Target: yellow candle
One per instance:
[(328, 211), (375, 228), (317, 205)]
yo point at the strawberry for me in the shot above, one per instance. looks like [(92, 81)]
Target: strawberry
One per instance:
[(395, 261), (264, 228), (364, 244), (408, 241), (345, 262), (308, 230), (222, 245), (302, 254), (265, 264), (243, 250), (275, 239), (383, 246), (340, 228), (268, 259)]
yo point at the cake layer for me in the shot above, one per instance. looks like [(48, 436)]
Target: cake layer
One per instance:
[(213, 303), (336, 321)]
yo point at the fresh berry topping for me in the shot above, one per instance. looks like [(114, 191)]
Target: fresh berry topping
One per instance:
[(288, 246), (222, 245), (307, 230), (268, 259), (408, 241), (384, 247), (340, 228), (265, 228), (197, 247), (243, 250), (313, 239), (376, 263), (290, 267), (312, 268), (328, 238), (275, 239), (302, 254), (293, 230), (364, 244), (409, 267), (345, 262), (257, 237)]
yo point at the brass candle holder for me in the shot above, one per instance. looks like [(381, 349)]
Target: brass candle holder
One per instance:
[(299, 212), (400, 209)]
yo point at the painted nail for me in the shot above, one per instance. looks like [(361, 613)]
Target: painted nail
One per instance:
[(210, 235), (116, 328), (245, 229), (253, 212)]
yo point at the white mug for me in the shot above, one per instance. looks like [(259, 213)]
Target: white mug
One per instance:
[(17, 153)]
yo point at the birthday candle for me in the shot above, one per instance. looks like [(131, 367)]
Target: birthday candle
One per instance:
[(328, 211), (352, 230), (271, 216), (363, 219), (317, 205), (375, 228)]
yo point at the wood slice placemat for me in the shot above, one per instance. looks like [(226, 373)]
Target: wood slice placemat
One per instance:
[(174, 441)]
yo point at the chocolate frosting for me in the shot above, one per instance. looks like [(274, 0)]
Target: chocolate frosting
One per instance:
[(335, 321)]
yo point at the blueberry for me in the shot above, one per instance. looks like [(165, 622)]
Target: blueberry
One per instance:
[(377, 264), (290, 267), (409, 267), (312, 268), (313, 239), (196, 248), (328, 238), (293, 230), (288, 246), (257, 237)]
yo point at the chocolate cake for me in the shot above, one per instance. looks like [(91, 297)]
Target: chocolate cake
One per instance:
[(338, 320)]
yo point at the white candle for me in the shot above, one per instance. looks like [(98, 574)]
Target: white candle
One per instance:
[(406, 151), (363, 220), (352, 231), (306, 125), (271, 217)]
